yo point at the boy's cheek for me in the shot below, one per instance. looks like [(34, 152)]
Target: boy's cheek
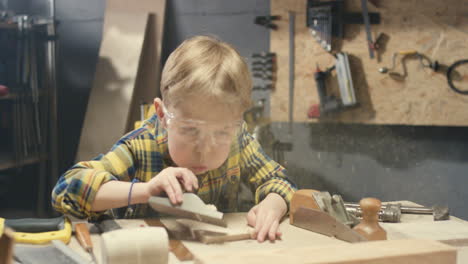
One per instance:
[(180, 153)]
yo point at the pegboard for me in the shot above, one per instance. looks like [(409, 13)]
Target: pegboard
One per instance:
[(434, 28)]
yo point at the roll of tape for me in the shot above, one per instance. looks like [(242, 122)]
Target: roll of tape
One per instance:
[(135, 245)]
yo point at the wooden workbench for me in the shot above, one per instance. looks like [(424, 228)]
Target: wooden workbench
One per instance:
[(411, 227)]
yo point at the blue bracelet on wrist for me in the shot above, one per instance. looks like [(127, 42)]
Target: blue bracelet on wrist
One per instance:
[(130, 208)]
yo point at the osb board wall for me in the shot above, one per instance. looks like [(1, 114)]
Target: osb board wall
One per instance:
[(437, 29)]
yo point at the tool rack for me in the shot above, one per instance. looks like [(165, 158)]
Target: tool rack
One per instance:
[(28, 112)]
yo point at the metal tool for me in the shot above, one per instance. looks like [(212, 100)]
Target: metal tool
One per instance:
[(323, 201), (450, 70), (192, 207), (391, 214), (330, 103), (292, 18), (408, 54), (39, 230), (263, 66), (394, 56), (106, 223), (440, 213), (326, 19), (84, 238), (267, 21), (365, 15), (323, 223), (334, 205), (379, 44)]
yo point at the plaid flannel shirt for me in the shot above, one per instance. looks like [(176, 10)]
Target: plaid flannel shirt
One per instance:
[(143, 153)]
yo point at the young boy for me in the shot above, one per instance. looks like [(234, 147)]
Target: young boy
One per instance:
[(196, 142)]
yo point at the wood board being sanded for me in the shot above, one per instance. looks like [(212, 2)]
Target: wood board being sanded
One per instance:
[(375, 252), (127, 71), (437, 29)]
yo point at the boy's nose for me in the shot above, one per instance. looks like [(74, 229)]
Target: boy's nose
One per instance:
[(205, 143)]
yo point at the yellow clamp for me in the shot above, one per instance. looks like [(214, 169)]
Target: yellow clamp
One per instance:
[(43, 237)]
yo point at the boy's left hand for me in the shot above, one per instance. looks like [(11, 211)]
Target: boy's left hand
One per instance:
[(265, 217)]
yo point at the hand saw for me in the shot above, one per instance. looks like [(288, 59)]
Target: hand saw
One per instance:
[(323, 223), (192, 207), (39, 230)]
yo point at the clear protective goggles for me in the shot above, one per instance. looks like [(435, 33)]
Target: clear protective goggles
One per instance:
[(193, 131)]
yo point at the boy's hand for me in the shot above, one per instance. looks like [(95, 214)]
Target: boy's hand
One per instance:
[(171, 181), (265, 217)]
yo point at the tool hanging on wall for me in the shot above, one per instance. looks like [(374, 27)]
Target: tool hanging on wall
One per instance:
[(327, 19), (450, 78), (330, 103), (292, 25), (365, 16), (267, 21), (263, 68), (406, 55), (379, 45)]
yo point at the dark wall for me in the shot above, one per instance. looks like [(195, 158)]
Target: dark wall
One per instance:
[(426, 165), (423, 164), (79, 31)]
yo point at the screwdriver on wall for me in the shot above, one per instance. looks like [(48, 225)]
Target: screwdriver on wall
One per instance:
[(84, 238)]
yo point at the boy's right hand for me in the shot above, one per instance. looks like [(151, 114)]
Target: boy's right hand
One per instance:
[(171, 180)]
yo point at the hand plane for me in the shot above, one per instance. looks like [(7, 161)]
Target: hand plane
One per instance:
[(321, 213)]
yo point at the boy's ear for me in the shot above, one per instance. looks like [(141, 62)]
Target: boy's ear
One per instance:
[(158, 107)]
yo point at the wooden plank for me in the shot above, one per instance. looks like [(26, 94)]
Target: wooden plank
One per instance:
[(128, 70), (375, 252), (434, 28), (149, 74), (147, 82), (437, 230), (114, 82)]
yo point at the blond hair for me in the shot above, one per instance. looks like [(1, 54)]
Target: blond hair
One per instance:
[(206, 66)]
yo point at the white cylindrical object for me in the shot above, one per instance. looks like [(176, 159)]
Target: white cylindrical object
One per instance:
[(135, 245)]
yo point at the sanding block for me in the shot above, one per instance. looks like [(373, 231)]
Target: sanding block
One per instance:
[(192, 207)]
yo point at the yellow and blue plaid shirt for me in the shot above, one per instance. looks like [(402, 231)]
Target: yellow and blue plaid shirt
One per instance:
[(143, 153)]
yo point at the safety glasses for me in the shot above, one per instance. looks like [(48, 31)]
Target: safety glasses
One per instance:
[(193, 131)]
